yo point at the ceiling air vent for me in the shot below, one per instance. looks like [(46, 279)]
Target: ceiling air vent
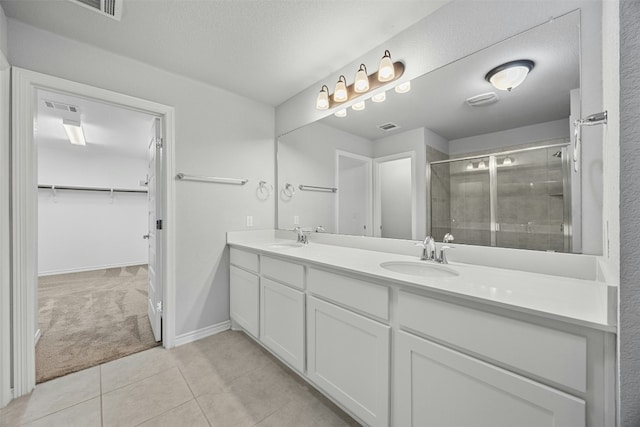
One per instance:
[(388, 126), (482, 99), (110, 8), (61, 106)]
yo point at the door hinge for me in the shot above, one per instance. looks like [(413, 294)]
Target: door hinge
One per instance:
[(159, 224), (159, 142), (159, 306)]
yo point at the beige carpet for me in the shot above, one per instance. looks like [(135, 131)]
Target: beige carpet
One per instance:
[(90, 318)]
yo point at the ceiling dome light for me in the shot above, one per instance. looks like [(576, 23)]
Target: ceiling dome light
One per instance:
[(74, 132), (403, 87), (509, 75), (322, 103), (379, 97), (340, 94), (341, 113), (361, 84), (358, 106), (386, 72)]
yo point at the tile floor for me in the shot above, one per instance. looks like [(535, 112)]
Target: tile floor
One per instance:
[(223, 380)]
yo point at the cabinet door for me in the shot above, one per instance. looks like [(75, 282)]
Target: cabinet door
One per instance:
[(348, 357), (282, 321), (436, 386), (244, 298)]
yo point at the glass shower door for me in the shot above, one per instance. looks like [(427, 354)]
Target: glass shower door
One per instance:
[(460, 201), (530, 193)]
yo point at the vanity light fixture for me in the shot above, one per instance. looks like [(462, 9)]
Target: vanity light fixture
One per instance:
[(509, 75), (469, 166), (341, 113), (358, 106), (387, 72), (379, 97), (361, 84), (322, 103), (403, 87), (74, 132), (340, 94), (482, 164), (508, 161)]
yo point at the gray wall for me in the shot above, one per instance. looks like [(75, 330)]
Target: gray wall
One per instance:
[(629, 328), (217, 133)]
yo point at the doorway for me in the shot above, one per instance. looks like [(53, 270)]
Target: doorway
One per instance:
[(25, 85), (395, 196), (95, 280), (354, 206)]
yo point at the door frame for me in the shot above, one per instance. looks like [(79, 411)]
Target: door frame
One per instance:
[(377, 202), (24, 211), (369, 163)]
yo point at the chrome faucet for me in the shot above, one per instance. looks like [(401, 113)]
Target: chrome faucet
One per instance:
[(443, 255), (448, 238), (302, 238), (428, 249), (320, 229)]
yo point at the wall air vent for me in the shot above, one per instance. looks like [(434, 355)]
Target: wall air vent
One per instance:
[(60, 106), (483, 99), (388, 126), (110, 8)]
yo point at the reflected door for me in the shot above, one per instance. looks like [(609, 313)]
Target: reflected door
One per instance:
[(394, 191), (353, 210)]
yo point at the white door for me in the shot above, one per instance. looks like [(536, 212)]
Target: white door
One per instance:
[(154, 181)]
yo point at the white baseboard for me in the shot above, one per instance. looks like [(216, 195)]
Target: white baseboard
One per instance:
[(95, 267), (202, 333), (38, 335)]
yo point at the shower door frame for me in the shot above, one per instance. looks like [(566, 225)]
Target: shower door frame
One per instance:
[(567, 228)]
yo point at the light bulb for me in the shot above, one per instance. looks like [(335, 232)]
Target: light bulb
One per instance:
[(507, 161), (403, 87), (340, 94), (469, 166), (341, 113), (386, 72), (362, 80), (482, 165), (379, 97), (359, 106), (322, 103)]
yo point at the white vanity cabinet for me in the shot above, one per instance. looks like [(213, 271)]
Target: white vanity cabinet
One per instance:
[(244, 290), (437, 386), (348, 357)]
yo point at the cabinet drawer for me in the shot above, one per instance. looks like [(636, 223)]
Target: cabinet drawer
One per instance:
[(358, 294), (436, 386), (244, 259), (548, 353), (283, 271)]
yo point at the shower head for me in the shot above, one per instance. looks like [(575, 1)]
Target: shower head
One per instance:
[(557, 154)]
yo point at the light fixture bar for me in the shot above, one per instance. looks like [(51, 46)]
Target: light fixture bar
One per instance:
[(398, 68), (74, 132)]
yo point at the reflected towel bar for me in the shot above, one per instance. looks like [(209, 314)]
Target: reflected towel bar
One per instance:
[(79, 188), (236, 181), (314, 188)]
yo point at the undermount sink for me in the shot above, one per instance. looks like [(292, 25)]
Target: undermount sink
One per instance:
[(290, 245), (422, 269)]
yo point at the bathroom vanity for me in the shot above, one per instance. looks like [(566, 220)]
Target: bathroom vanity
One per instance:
[(398, 341)]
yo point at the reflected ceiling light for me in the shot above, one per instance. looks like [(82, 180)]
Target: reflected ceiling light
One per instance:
[(509, 75), (322, 103), (74, 132), (364, 83), (361, 84), (386, 73), (379, 97), (508, 161), (340, 94), (469, 166), (358, 106), (403, 87), (482, 165), (341, 113)]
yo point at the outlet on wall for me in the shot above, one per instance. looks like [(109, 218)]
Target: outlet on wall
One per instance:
[(249, 221)]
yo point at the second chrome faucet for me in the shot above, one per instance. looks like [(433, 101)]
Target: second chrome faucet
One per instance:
[(429, 249)]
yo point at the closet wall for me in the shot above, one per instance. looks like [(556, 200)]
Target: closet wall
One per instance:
[(86, 230)]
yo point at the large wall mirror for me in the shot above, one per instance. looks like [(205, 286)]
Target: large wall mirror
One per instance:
[(452, 155)]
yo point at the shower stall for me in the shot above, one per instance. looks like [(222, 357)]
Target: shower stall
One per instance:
[(519, 198)]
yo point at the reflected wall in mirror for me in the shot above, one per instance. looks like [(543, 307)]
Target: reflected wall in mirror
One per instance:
[(428, 162)]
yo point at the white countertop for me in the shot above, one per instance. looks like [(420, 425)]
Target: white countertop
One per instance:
[(583, 302)]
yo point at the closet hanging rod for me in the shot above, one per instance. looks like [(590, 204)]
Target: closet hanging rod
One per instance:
[(237, 181), (80, 188), (315, 188)]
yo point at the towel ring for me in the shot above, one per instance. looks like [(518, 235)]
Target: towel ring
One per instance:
[(289, 190)]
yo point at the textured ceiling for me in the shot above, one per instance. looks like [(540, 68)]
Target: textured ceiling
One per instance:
[(267, 50)]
